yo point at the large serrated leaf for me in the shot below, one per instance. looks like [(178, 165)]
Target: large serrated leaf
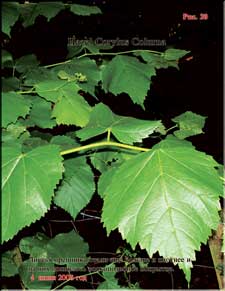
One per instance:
[(77, 187), (21, 107), (189, 123), (166, 200), (125, 129), (26, 193), (128, 75)]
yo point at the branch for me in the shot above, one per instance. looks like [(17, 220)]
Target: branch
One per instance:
[(103, 54), (103, 144)]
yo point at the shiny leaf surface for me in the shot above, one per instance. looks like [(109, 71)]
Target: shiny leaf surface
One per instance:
[(26, 193)]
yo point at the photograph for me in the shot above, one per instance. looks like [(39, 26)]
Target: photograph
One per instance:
[(112, 145)]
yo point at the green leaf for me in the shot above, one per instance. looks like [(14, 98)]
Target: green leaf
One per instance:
[(174, 54), (128, 75), (26, 63), (40, 246), (30, 11), (32, 272), (50, 89), (103, 160), (13, 132), (110, 281), (10, 14), (65, 142), (71, 108), (32, 143), (125, 129), (189, 123), (26, 193), (20, 107), (35, 246), (40, 114), (63, 75), (157, 61), (37, 75), (10, 84), (84, 10), (107, 162), (43, 135), (95, 48), (73, 50), (105, 179), (86, 67), (77, 187), (73, 247), (167, 200), (9, 267), (7, 59)]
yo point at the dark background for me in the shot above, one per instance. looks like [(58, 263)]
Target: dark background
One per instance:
[(196, 87)]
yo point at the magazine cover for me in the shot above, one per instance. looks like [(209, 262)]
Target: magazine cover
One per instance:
[(112, 145)]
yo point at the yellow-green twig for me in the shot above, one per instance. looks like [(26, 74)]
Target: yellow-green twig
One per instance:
[(108, 134), (103, 144)]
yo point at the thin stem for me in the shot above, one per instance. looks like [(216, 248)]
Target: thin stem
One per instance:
[(88, 215), (175, 126), (118, 53), (102, 144), (13, 72), (103, 54), (26, 92), (108, 134), (57, 64)]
